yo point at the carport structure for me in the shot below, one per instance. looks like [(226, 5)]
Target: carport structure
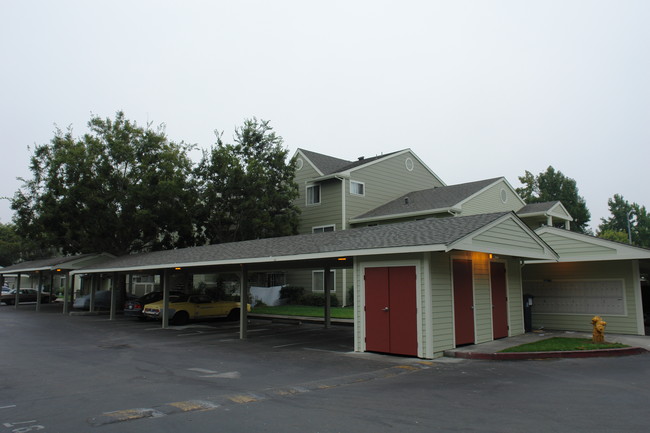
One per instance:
[(420, 287), (43, 272)]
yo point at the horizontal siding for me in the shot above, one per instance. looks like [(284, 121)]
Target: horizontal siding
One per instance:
[(386, 181), (570, 247), (507, 234), (606, 270), (442, 303), (490, 201), (515, 299), (328, 212), (482, 298)]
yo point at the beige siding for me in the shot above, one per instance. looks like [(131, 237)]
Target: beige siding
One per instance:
[(442, 303), (385, 181), (490, 201), (567, 247), (328, 212), (515, 298), (507, 234), (607, 270)]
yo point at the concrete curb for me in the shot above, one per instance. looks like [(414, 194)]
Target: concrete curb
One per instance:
[(515, 356)]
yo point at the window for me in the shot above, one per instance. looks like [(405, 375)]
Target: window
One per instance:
[(322, 229), (357, 188), (317, 281), (313, 194)]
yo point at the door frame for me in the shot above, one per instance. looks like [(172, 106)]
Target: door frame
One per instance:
[(361, 320), (453, 297)]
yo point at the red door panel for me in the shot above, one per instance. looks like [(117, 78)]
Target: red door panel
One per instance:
[(499, 300), (391, 311), (377, 310), (463, 302), (403, 311)]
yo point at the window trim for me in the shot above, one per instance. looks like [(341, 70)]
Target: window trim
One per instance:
[(322, 273), (314, 186), (363, 188)]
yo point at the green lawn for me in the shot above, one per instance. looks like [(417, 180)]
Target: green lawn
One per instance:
[(562, 344), (305, 310)]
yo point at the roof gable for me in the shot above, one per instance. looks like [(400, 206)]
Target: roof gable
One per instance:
[(552, 208), (576, 247)]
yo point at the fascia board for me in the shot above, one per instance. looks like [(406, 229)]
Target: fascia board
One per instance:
[(309, 161), (404, 215), (263, 260), (329, 176)]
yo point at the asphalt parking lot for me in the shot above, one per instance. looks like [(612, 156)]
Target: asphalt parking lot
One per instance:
[(87, 373)]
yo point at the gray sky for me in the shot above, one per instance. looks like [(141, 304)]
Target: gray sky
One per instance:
[(477, 89)]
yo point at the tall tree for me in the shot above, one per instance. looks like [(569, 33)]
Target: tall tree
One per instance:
[(120, 189), (552, 185), (622, 213), (246, 188), (10, 245)]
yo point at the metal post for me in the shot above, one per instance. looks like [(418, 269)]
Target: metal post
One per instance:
[(67, 297), (38, 291), (165, 286), (328, 298), (17, 296), (243, 299), (114, 294)]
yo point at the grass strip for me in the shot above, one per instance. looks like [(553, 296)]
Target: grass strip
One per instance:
[(304, 310), (560, 344)]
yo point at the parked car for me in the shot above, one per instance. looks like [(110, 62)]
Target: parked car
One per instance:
[(102, 300), (25, 295), (134, 307), (183, 308)]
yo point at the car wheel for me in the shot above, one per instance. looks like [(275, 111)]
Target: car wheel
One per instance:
[(9, 302), (234, 314), (180, 318)]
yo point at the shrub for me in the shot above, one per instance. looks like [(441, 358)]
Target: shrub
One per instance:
[(316, 300), (292, 294)]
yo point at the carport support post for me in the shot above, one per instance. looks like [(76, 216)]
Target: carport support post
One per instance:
[(93, 283), (67, 297), (17, 297), (165, 286), (243, 300), (38, 293), (328, 298), (113, 296)]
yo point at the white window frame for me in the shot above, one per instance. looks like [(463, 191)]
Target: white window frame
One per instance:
[(321, 229), (320, 274), (363, 188), (309, 187)]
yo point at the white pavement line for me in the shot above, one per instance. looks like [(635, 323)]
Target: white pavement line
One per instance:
[(8, 407), (203, 370), (292, 344), (226, 375)]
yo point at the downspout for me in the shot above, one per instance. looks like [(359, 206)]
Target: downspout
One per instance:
[(343, 227)]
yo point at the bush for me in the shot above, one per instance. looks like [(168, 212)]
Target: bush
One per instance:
[(292, 294), (316, 300)]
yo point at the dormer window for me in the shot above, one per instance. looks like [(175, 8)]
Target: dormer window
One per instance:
[(357, 188), (313, 194)]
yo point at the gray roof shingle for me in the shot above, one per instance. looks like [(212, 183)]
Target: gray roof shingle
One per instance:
[(429, 199), (330, 165), (537, 207)]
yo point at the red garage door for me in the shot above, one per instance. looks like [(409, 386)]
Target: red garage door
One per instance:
[(499, 300), (391, 312)]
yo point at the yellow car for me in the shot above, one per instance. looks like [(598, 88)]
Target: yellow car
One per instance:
[(183, 308)]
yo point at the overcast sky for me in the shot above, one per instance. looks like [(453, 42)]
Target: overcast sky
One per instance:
[(477, 89)]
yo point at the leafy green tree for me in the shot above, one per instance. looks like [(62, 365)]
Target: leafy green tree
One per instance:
[(614, 235), (120, 189), (246, 188), (552, 185), (639, 221), (9, 245)]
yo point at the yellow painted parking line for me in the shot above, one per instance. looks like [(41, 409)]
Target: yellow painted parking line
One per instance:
[(407, 367), (192, 405), (242, 399), (130, 414)]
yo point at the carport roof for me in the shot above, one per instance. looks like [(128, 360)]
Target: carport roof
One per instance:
[(50, 264), (436, 234)]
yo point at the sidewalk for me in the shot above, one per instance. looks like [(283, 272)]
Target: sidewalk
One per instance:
[(491, 350)]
